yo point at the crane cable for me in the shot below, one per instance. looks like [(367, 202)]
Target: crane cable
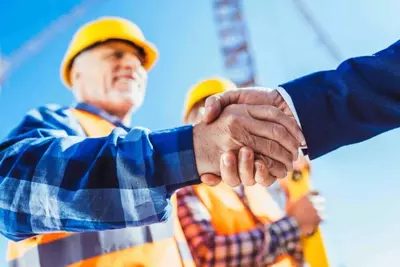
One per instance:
[(322, 35)]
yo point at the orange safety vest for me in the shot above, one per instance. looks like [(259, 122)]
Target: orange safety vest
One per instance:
[(159, 245), (230, 216)]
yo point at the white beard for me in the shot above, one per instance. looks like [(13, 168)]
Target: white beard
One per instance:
[(135, 95)]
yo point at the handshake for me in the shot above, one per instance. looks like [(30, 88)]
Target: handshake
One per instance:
[(247, 136)]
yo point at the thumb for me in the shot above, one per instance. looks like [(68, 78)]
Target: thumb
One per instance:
[(215, 104), (213, 108)]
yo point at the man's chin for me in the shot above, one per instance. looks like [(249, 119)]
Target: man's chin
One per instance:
[(124, 106)]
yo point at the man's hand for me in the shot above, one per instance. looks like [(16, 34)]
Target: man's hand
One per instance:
[(253, 96), (251, 170), (264, 129), (308, 212)]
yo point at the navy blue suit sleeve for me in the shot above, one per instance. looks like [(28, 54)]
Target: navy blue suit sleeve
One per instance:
[(355, 102)]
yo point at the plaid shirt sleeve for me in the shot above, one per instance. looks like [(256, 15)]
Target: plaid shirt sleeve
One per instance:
[(53, 178), (258, 247)]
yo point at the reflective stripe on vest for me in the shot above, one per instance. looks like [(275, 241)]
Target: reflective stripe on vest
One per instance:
[(154, 245), (229, 215)]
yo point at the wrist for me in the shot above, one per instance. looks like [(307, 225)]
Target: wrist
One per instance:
[(285, 231), (198, 148)]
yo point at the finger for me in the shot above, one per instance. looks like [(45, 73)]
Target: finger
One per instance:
[(216, 103), (252, 96), (270, 113), (273, 150), (210, 179), (323, 217), (321, 212), (246, 166), (310, 234), (228, 166), (315, 196), (262, 176), (273, 131), (317, 200), (275, 168), (320, 209)]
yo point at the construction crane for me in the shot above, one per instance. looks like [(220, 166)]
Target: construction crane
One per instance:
[(239, 63), (235, 48), (34, 45)]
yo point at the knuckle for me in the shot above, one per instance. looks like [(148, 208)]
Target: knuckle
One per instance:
[(277, 169), (250, 141), (279, 131), (245, 139), (270, 147), (268, 112), (269, 163), (271, 112), (281, 173)]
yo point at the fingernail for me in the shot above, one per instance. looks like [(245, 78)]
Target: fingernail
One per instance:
[(207, 110), (210, 100), (259, 166), (245, 156), (227, 161)]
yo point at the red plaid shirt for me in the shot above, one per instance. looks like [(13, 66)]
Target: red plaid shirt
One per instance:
[(258, 247)]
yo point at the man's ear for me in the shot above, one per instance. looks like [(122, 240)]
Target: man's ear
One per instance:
[(75, 76)]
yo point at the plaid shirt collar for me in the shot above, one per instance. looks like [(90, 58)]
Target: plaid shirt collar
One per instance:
[(101, 113)]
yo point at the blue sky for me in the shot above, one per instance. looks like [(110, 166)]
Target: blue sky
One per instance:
[(360, 182)]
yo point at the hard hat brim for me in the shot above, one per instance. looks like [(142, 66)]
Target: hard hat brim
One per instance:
[(149, 49)]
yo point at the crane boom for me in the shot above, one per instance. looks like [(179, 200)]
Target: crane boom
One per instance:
[(232, 33)]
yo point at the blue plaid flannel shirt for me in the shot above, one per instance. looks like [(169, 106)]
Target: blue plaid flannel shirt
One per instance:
[(54, 178)]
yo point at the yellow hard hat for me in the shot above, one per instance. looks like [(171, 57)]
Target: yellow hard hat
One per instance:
[(204, 89), (101, 30)]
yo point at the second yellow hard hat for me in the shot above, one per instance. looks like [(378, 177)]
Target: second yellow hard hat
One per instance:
[(206, 88)]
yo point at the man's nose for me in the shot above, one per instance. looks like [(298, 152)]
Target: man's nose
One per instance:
[(129, 62)]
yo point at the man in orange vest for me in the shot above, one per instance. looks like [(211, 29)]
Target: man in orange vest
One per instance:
[(242, 226), (81, 169)]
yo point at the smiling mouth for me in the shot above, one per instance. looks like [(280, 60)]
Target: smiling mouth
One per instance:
[(124, 79)]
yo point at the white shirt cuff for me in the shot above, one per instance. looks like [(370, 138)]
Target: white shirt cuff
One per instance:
[(289, 102)]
